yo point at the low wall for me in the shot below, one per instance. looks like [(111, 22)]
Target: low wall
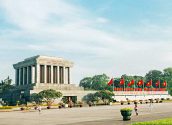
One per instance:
[(140, 95), (140, 92)]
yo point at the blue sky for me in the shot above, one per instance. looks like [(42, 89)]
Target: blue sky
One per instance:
[(113, 37)]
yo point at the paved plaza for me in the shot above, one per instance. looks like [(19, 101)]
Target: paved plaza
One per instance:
[(100, 115)]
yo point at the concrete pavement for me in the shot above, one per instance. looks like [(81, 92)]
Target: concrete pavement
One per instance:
[(100, 115)]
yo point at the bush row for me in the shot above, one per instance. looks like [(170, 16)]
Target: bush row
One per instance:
[(5, 107)]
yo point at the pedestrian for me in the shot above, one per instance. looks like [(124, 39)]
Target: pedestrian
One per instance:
[(36, 107), (151, 105), (39, 109), (136, 108)]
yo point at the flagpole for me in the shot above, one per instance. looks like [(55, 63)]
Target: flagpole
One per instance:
[(124, 85), (159, 84), (166, 86), (134, 87), (151, 86), (159, 87), (143, 86), (113, 84)]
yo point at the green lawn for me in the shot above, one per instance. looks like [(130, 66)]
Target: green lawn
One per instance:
[(167, 121)]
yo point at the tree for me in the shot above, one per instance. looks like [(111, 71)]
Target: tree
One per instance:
[(104, 95), (97, 82), (35, 97), (86, 83), (127, 79), (90, 98), (49, 96), (154, 75), (5, 85), (168, 76)]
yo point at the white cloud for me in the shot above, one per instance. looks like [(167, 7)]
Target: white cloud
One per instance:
[(102, 20), (56, 26)]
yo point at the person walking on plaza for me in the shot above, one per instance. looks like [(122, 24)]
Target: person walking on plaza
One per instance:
[(136, 108), (151, 104), (39, 109)]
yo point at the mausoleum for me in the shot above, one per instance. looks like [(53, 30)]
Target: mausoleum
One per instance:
[(38, 73)]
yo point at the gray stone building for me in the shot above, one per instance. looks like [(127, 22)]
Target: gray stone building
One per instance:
[(38, 73), (42, 70)]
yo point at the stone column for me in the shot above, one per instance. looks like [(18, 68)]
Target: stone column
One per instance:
[(33, 74), (37, 73), (64, 77), (30, 74), (52, 75), (58, 75), (23, 76), (19, 76), (45, 73), (27, 69), (68, 75), (16, 77)]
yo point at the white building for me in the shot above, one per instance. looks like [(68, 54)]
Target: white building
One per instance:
[(38, 73)]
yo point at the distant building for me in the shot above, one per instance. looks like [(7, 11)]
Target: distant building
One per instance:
[(42, 70), (38, 73)]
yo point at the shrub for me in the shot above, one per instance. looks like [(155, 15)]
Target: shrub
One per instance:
[(162, 98), (160, 101), (122, 102), (6, 107), (135, 102), (128, 101), (61, 105), (126, 109), (80, 103)]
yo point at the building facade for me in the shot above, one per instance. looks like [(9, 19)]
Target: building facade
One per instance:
[(38, 73), (42, 70)]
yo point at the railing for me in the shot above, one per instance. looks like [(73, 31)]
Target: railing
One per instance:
[(140, 89)]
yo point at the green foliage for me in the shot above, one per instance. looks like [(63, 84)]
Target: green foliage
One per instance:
[(168, 76), (65, 100), (5, 107), (90, 98), (170, 91), (166, 121), (126, 109), (5, 85), (35, 97), (155, 75), (49, 96), (97, 82), (104, 95), (86, 83), (127, 79)]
